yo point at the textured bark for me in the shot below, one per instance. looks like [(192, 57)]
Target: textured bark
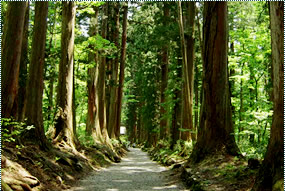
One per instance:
[(114, 76), (164, 77), (196, 89), (122, 70), (90, 123), (34, 113), (271, 173), (100, 120), (11, 55), (215, 134), (91, 128), (109, 61), (64, 123), (23, 69), (187, 117), (50, 96)]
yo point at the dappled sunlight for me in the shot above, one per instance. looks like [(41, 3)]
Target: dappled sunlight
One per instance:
[(135, 172), (164, 187)]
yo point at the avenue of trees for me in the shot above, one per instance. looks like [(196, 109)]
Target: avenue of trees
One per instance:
[(206, 73)]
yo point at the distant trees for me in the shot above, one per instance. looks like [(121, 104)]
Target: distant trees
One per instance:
[(105, 80), (164, 75)]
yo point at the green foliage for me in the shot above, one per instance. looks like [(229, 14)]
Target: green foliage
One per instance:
[(250, 78), (11, 129), (87, 8), (143, 72), (98, 43)]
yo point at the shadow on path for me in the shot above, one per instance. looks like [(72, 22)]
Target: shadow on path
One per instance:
[(136, 172)]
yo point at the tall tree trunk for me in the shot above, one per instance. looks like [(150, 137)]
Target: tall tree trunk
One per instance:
[(198, 97), (100, 120), (34, 112), (201, 44), (122, 70), (114, 77), (23, 69), (109, 61), (90, 123), (64, 123), (186, 118), (91, 85), (190, 54), (271, 173), (196, 89), (164, 76), (50, 97), (11, 55), (216, 127)]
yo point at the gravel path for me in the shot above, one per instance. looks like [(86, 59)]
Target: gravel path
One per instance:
[(136, 172)]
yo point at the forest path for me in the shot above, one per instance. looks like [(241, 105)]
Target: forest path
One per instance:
[(136, 172)]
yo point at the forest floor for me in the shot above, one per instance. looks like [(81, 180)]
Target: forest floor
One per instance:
[(135, 172), (28, 168), (216, 172)]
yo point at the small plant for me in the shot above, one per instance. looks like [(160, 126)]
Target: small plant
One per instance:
[(12, 129)]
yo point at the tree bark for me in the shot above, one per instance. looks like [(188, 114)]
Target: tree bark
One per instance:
[(164, 76), (11, 55), (114, 77), (122, 70), (108, 62), (196, 89), (100, 120), (215, 134), (34, 113), (23, 69), (187, 122), (270, 175), (91, 110), (90, 123), (64, 123)]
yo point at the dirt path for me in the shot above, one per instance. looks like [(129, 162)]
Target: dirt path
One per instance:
[(136, 172)]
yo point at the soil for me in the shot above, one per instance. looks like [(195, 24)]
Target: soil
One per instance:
[(29, 168), (216, 172)]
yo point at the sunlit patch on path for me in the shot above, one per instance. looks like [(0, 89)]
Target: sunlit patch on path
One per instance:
[(136, 172)]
